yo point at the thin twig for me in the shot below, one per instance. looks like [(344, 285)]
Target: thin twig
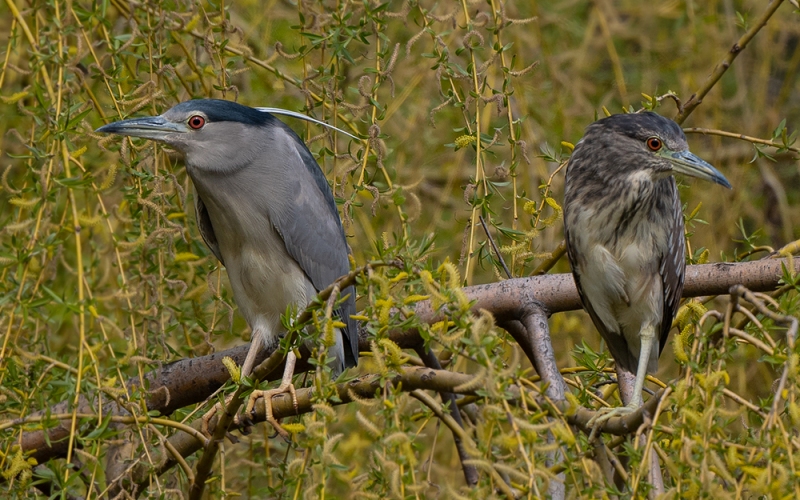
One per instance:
[(494, 247), (450, 422), (548, 264), (470, 471), (733, 135), (723, 66), (791, 336)]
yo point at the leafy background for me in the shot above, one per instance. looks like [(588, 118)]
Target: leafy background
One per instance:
[(464, 109)]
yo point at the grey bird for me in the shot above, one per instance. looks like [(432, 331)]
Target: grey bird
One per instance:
[(625, 234), (266, 212)]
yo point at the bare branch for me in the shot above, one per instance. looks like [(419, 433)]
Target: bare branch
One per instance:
[(722, 67), (189, 381)]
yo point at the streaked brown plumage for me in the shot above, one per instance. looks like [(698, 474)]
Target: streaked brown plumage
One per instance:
[(625, 233)]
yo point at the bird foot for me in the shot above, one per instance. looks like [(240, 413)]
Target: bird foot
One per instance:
[(220, 407), (205, 427), (268, 395), (605, 414)]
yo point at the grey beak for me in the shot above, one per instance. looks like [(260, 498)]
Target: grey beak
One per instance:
[(687, 163), (152, 127)]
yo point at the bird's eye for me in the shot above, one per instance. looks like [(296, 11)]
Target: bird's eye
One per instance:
[(197, 122), (654, 143)]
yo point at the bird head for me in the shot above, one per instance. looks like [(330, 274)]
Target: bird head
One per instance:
[(212, 133), (643, 144)]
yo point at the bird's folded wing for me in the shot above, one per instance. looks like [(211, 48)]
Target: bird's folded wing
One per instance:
[(309, 224), (673, 268), (205, 227)]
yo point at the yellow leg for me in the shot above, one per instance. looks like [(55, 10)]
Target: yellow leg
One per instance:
[(219, 407), (247, 369), (256, 342), (647, 336), (286, 386)]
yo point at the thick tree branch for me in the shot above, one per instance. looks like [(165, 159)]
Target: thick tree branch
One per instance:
[(370, 386), (189, 381)]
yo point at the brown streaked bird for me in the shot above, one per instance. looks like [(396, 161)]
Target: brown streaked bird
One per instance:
[(625, 235)]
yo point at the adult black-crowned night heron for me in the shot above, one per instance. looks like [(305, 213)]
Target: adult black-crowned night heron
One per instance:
[(625, 236), (265, 210)]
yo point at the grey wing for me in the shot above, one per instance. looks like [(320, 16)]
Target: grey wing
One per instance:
[(673, 268), (205, 227), (313, 234), (615, 341)]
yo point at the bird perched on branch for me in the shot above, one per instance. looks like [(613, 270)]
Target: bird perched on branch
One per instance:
[(266, 211), (625, 234)]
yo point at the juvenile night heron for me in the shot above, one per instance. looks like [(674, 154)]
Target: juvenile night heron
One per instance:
[(265, 210), (625, 236)]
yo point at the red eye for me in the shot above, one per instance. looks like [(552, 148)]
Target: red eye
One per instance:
[(197, 122), (654, 143)]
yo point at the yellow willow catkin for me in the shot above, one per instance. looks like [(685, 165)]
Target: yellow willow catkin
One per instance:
[(110, 177), (23, 203)]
